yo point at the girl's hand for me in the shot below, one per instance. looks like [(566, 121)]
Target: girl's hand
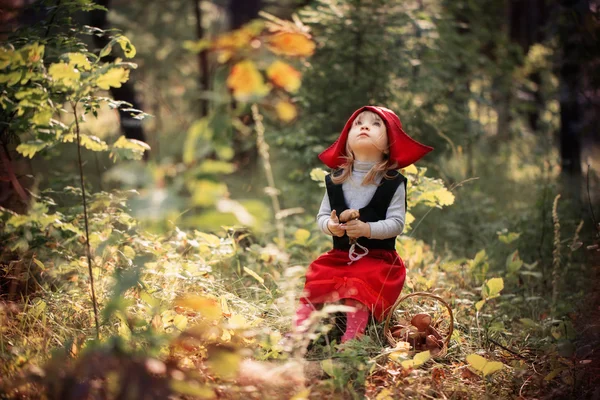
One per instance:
[(356, 228), (334, 225)]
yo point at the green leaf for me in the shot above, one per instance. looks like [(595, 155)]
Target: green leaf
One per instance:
[(199, 132), (513, 262), (196, 46), (483, 365), (554, 373), (38, 308), (528, 322), (39, 264), (508, 237), (478, 267), (106, 50), (328, 367)]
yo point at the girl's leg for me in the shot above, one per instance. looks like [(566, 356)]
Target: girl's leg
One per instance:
[(303, 313), (356, 321)]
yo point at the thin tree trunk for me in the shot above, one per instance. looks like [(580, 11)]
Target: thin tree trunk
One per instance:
[(202, 61)]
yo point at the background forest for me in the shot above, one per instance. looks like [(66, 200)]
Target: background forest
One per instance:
[(159, 183)]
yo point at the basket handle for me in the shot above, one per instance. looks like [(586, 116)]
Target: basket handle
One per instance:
[(386, 327)]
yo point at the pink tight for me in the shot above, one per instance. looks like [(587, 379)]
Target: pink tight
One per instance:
[(356, 321)]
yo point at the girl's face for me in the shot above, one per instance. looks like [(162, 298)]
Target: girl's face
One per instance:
[(367, 138)]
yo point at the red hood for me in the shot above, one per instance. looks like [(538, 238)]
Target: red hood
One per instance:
[(404, 150)]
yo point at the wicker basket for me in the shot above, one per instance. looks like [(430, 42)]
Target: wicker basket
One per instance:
[(393, 341)]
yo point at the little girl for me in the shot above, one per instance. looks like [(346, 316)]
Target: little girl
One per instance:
[(364, 159)]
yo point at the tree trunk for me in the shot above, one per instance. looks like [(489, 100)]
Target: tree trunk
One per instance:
[(242, 11), (569, 88)]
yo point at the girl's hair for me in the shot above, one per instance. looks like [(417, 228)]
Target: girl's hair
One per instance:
[(379, 169)]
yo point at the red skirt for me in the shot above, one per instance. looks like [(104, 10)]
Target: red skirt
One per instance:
[(375, 280)]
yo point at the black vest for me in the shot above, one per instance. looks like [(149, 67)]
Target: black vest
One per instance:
[(372, 212)]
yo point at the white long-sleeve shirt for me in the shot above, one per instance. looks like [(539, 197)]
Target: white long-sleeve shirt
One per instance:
[(358, 196)]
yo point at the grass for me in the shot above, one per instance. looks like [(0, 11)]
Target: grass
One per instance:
[(202, 316)]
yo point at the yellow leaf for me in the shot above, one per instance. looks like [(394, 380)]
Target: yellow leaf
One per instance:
[(246, 81), (418, 360), (237, 321), (254, 275), (285, 111), (223, 362), (191, 388), (63, 73), (301, 395), (318, 174), (301, 236), (206, 193), (231, 42), (224, 307), (483, 365), (90, 142), (7, 56), (400, 352), (285, 76), (385, 394), (291, 44), (32, 53), (180, 322), (113, 77), (479, 304), (42, 117), (444, 197), (208, 307), (492, 287), (411, 169), (226, 336), (128, 149), (128, 48), (39, 264), (421, 358), (409, 219), (212, 240), (11, 78), (79, 60), (29, 149)]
